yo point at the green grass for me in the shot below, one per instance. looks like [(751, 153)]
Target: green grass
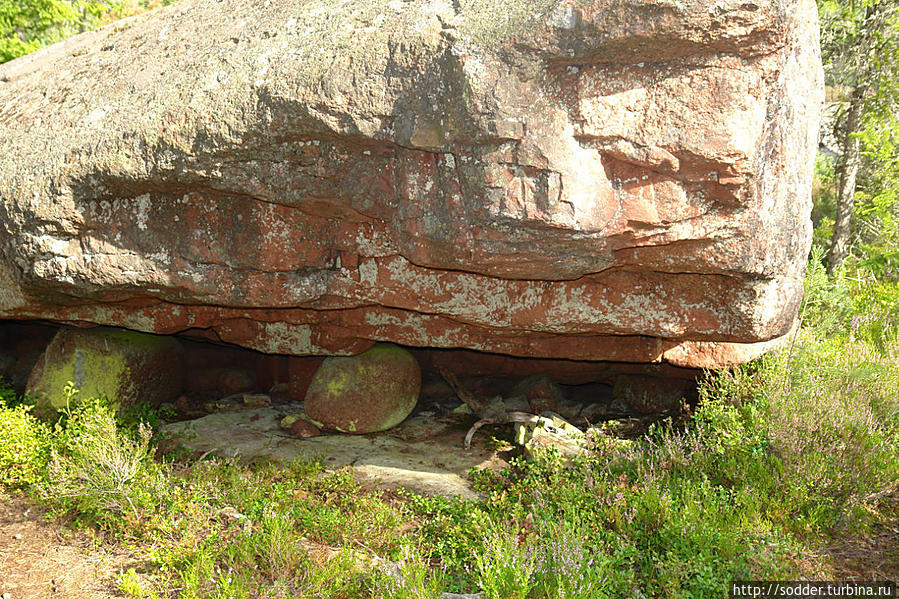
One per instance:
[(781, 459)]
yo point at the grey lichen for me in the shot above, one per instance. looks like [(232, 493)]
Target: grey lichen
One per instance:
[(494, 22)]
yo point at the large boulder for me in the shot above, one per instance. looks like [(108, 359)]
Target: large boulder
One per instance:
[(371, 392), (622, 180), (125, 367)]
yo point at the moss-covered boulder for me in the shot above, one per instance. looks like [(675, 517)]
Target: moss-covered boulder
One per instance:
[(370, 392), (124, 366)]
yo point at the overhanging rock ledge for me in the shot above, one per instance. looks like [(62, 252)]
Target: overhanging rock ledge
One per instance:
[(622, 180)]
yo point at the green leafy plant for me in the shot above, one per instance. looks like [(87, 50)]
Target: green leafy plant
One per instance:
[(129, 583), (24, 446), (7, 393), (505, 567)]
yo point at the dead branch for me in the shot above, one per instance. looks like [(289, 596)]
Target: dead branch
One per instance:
[(461, 392)]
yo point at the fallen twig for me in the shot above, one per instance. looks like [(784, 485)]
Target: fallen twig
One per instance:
[(489, 412)]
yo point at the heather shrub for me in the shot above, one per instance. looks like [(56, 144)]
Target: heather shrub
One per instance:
[(815, 427), (505, 567), (834, 425), (548, 563), (94, 465), (566, 567), (410, 578)]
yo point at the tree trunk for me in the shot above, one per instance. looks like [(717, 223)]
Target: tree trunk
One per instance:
[(848, 169)]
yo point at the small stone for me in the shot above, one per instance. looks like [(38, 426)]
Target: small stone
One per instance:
[(257, 400), (541, 391), (517, 403), (299, 427), (230, 513), (649, 394), (227, 404), (617, 408), (17, 537), (593, 412), (551, 431), (569, 410), (558, 422)]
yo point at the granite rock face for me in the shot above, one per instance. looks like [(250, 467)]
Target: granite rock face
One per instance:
[(623, 180)]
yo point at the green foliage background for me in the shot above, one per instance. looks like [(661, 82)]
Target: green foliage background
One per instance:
[(860, 50), (27, 25)]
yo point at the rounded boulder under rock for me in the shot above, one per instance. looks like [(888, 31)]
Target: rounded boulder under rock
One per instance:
[(370, 392)]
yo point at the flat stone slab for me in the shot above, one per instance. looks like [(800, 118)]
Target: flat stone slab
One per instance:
[(423, 454)]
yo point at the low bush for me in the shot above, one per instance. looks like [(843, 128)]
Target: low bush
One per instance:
[(834, 426), (95, 466), (24, 446)]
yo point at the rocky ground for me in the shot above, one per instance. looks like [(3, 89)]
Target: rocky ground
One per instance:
[(423, 454)]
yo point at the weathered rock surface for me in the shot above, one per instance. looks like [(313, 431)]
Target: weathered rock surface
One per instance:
[(551, 432), (541, 392), (421, 454), (624, 180), (124, 366), (368, 393)]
